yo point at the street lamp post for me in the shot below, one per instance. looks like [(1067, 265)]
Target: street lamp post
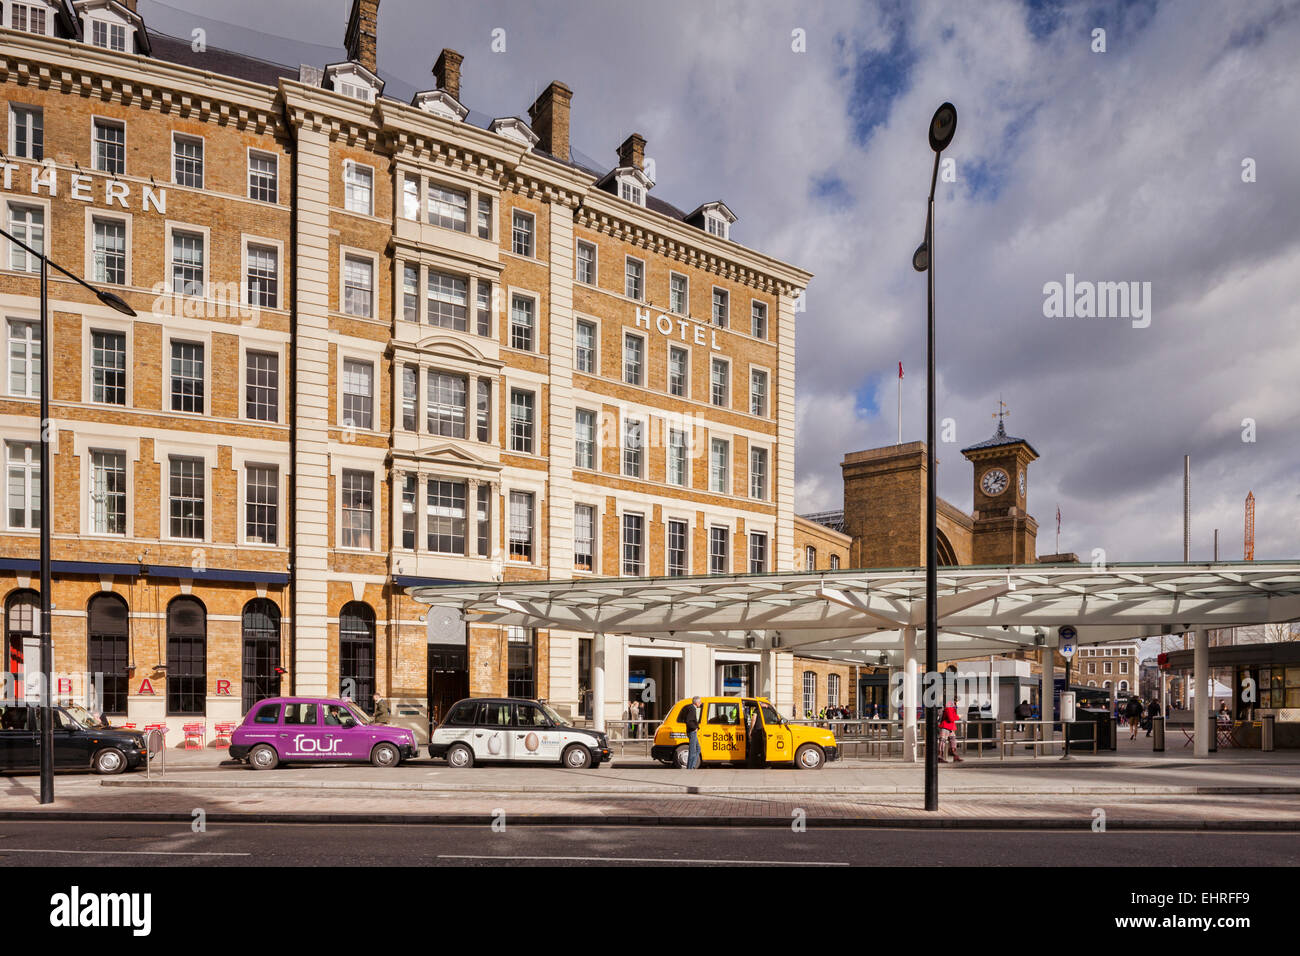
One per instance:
[(47, 646), (942, 127)]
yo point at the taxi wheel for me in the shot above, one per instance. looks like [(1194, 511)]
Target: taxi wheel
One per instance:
[(263, 757), (809, 757), (680, 756), (110, 760), (459, 756), (576, 757), (385, 755)]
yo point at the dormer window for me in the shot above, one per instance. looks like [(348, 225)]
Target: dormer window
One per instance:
[(717, 227), (108, 36), (353, 81), (632, 193), (714, 218), (29, 18), (513, 128), (354, 90)]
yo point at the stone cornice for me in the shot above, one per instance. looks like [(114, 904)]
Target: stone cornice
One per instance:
[(71, 67)]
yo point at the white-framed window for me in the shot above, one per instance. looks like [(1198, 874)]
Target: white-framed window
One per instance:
[(677, 457), (28, 17), (758, 319), (584, 439), (187, 377), (835, 562), (188, 258), (810, 558), (358, 503), (484, 219), (187, 160), (1107, 667), (448, 208), (584, 347), (1123, 667), (809, 692), (262, 275), (358, 286), (716, 226), (109, 249), (27, 224), (358, 188), (446, 396), (353, 89), (633, 544), (446, 516), (678, 561), (719, 550), (584, 537), (261, 504), (263, 177), (448, 305), (679, 371), (108, 146), (521, 233), (633, 359), (522, 421), (358, 394), (586, 262), (483, 411), (634, 278), (633, 447), (26, 132), (262, 386), (720, 466), (187, 497), (757, 473), (107, 492), (521, 526), (108, 36), (721, 307), (409, 518), (758, 392), (720, 382), (411, 197), (483, 519), (23, 484), (107, 367), (522, 322), (483, 302), (678, 293), (832, 690), (758, 552), (24, 350), (632, 193), (410, 398)]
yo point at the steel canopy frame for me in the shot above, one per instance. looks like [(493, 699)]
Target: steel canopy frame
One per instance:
[(859, 615)]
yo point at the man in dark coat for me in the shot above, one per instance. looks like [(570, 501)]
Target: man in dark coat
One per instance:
[(691, 718)]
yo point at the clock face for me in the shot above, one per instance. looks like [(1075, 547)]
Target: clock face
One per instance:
[(1022, 484), (994, 482)]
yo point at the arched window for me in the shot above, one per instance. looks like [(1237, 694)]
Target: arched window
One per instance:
[(261, 627), (832, 690), (22, 635), (187, 657), (809, 692), (1106, 684), (357, 654), (108, 650), (1123, 687), (835, 562)]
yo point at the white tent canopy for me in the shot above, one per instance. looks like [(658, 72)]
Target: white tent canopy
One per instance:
[(865, 615)]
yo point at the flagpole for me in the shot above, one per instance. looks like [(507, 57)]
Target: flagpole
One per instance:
[(900, 403)]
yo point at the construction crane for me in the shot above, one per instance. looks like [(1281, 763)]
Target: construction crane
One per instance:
[(1250, 526)]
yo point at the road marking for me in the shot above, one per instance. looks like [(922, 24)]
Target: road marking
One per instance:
[(5, 849), (640, 859)]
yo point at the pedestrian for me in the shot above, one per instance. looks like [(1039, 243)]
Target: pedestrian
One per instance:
[(1153, 711), (691, 718), (756, 741), (633, 712), (948, 734), (1133, 714), (1023, 712)]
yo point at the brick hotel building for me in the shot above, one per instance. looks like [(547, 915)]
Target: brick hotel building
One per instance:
[(378, 345)]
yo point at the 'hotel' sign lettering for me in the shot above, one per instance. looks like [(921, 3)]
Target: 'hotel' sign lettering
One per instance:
[(666, 325)]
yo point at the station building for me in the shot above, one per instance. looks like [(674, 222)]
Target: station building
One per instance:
[(378, 345)]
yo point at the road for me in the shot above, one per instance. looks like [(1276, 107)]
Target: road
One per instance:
[(38, 843)]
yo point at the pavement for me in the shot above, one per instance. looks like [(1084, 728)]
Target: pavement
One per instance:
[(1129, 789)]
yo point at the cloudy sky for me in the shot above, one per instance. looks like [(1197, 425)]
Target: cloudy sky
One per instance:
[(1117, 166)]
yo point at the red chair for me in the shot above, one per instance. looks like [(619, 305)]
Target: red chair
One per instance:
[(195, 736), (129, 726), (223, 731)]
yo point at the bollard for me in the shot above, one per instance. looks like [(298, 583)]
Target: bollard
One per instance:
[(1214, 732), (1266, 733), (1158, 734)]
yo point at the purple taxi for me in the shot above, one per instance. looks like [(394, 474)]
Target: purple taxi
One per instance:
[(316, 729)]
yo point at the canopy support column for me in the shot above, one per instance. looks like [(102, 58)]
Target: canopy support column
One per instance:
[(765, 664), (598, 681), (1047, 690), (910, 674), (1204, 694)]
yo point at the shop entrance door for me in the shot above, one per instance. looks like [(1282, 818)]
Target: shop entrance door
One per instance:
[(448, 679)]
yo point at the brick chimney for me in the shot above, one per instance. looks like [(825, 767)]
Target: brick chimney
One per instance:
[(632, 152), (363, 29), (549, 117), (446, 71), (130, 5)]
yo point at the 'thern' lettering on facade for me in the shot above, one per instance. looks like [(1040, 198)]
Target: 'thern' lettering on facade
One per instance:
[(43, 180), (668, 325)]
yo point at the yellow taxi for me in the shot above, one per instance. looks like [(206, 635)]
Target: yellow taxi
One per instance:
[(724, 722)]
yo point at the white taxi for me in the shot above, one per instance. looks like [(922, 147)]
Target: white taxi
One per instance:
[(514, 729)]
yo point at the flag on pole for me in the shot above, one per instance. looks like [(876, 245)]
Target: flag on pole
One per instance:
[(900, 369), (1058, 519)]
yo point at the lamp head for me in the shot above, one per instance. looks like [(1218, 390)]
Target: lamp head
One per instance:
[(114, 301), (942, 127), (921, 258)]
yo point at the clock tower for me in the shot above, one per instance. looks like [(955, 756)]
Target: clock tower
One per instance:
[(1003, 530)]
